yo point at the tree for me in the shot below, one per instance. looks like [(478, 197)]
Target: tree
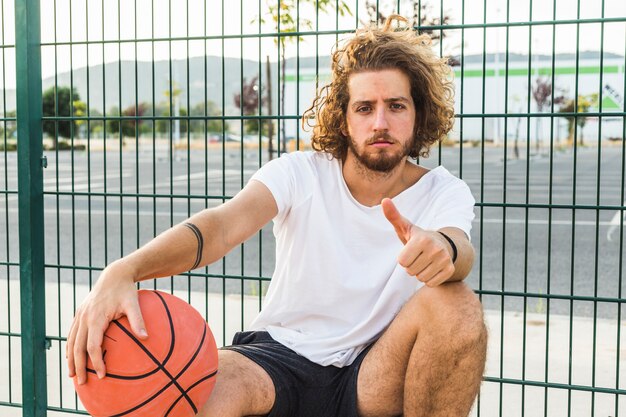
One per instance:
[(585, 102), (10, 128), (542, 93), (170, 122), (249, 101), (423, 17), (172, 95), (61, 102), (133, 127), (282, 14), (208, 109), (113, 125), (95, 126), (163, 125)]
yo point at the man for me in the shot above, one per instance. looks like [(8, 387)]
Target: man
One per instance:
[(365, 314)]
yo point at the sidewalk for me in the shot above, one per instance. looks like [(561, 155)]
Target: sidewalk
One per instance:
[(507, 350)]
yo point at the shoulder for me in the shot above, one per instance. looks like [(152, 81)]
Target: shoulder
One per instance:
[(307, 162), (304, 157), (445, 184), (440, 176), (299, 168)]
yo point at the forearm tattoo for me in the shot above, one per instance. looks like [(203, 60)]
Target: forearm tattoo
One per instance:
[(198, 234)]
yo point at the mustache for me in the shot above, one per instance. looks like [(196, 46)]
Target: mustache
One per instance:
[(381, 137)]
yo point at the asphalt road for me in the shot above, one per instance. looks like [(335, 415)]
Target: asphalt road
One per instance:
[(102, 205)]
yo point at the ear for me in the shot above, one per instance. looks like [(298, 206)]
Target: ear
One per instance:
[(344, 128)]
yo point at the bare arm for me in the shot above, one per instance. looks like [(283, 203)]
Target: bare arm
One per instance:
[(214, 233), (222, 228)]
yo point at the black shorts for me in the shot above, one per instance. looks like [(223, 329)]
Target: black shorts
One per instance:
[(303, 388)]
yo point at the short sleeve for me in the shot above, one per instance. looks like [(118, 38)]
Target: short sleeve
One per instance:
[(289, 179), (454, 207)]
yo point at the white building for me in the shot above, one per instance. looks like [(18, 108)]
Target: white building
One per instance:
[(483, 88)]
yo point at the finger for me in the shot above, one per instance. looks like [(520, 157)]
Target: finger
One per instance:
[(137, 325), (420, 266), (438, 258), (401, 225), (441, 277), (94, 349), (428, 273), (414, 251), (80, 355), (69, 348)]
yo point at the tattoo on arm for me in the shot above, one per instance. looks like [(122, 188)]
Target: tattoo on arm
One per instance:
[(198, 234)]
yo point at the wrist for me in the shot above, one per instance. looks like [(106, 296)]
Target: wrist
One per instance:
[(124, 269), (451, 244)]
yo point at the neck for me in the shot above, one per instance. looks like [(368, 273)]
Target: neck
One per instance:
[(369, 187)]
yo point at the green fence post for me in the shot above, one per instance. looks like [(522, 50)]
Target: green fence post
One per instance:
[(30, 197)]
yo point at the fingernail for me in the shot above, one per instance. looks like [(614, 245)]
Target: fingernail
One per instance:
[(143, 332), (100, 374)]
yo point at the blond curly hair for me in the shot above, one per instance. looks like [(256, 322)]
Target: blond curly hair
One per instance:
[(375, 49)]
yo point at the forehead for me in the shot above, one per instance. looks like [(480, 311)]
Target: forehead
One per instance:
[(372, 85)]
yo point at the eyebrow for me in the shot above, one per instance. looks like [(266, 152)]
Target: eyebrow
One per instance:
[(387, 100)]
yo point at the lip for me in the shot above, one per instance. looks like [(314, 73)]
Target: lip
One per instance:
[(381, 144)]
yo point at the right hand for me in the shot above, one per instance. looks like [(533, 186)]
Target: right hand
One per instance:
[(113, 296)]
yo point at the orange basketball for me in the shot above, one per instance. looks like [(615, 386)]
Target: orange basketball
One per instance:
[(171, 373)]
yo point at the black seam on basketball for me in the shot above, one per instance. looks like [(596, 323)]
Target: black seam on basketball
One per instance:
[(182, 371), (138, 342), (161, 367), (201, 380), (169, 318), (138, 406)]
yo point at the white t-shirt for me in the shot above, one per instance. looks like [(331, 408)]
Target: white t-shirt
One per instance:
[(337, 284)]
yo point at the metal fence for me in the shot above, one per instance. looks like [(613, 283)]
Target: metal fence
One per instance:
[(151, 110)]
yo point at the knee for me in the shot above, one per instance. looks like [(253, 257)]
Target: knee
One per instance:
[(454, 312), (242, 388)]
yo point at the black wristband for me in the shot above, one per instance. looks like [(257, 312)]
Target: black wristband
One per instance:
[(452, 245)]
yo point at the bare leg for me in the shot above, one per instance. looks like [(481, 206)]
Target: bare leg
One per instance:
[(242, 388), (430, 360)]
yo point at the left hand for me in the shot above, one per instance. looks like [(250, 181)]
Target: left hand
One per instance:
[(426, 254)]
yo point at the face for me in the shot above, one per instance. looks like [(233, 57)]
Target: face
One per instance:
[(380, 119)]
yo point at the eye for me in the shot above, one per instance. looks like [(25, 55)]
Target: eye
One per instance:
[(363, 109), (397, 106)]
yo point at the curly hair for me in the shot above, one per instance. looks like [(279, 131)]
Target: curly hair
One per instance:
[(375, 49)]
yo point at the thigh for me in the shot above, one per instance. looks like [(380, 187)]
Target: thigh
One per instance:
[(380, 383), (242, 388)]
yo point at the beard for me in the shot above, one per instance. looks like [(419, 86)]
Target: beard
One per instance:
[(379, 160)]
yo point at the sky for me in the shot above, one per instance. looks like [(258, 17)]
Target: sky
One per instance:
[(94, 26)]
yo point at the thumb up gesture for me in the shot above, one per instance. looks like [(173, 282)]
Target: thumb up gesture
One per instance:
[(426, 254)]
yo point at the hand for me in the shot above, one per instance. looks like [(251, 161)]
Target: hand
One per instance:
[(114, 296), (425, 254)]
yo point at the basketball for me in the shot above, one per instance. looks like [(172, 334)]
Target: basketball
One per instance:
[(171, 373)]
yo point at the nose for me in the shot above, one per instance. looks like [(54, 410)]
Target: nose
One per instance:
[(380, 120)]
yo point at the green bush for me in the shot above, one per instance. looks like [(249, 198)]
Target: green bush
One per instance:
[(10, 146)]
